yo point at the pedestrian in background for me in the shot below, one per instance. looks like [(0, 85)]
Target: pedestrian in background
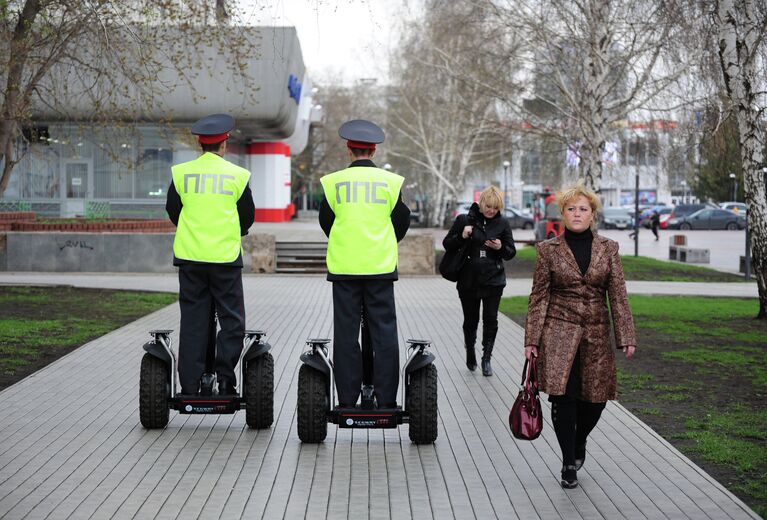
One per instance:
[(568, 330), (483, 276), (654, 223)]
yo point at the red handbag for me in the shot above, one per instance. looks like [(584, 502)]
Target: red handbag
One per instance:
[(525, 417)]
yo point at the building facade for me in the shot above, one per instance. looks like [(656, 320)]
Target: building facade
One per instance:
[(72, 167)]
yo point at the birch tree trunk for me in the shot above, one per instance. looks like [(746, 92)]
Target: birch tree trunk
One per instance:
[(740, 35)]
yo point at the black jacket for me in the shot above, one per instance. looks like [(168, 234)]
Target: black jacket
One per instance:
[(484, 267)]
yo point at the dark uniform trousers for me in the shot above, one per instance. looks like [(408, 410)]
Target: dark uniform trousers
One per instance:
[(378, 298), (203, 287)]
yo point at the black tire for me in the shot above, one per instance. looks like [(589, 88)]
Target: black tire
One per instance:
[(527, 225), (313, 406), (731, 226), (685, 226), (259, 392), (153, 391), (422, 405)]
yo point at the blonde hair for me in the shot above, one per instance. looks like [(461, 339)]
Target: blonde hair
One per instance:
[(566, 195), (491, 197)]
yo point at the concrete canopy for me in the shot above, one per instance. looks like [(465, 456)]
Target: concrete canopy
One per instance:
[(252, 73)]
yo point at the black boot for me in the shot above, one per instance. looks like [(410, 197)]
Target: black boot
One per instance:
[(489, 331), (471, 355), (487, 352)]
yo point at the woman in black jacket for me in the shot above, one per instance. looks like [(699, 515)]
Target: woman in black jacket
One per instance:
[(483, 276)]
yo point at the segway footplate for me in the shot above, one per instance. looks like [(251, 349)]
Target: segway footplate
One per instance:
[(359, 418), (189, 404)]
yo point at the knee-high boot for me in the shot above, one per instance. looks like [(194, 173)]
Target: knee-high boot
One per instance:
[(469, 338), (488, 341)]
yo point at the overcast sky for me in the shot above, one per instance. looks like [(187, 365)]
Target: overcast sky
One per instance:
[(341, 40)]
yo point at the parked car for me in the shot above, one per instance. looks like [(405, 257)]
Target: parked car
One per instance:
[(517, 219), (682, 210), (514, 215), (615, 217), (461, 208), (735, 207), (709, 218)]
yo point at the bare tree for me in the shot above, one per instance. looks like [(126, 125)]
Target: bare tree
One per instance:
[(325, 151), (444, 118), (99, 61), (741, 26), (593, 62)]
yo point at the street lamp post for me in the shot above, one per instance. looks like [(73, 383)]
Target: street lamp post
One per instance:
[(684, 191), (506, 165), (734, 187)]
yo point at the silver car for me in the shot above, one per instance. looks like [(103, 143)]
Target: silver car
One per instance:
[(615, 218)]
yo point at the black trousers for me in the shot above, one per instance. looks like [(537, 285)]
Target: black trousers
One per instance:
[(654, 228), (470, 302), (378, 298), (203, 288), (573, 418)]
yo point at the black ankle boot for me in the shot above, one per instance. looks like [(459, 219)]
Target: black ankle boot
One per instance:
[(471, 358), (471, 355), (569, 477), (487, 353)]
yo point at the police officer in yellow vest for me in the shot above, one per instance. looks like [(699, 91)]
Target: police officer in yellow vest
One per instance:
[(211, 204), (364, 217)]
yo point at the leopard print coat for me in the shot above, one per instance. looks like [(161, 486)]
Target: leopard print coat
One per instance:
[(568, 314)]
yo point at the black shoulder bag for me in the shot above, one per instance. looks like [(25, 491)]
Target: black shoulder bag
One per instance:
[(452, 262)]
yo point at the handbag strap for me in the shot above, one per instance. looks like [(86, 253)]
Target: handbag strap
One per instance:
[(530, 376)]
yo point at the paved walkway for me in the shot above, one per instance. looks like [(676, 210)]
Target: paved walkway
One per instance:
[(515, 287), (73, 446)]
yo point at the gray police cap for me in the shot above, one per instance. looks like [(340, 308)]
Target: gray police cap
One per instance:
[(361, 131)]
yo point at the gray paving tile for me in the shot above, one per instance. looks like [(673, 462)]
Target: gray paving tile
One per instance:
[(73, 446)]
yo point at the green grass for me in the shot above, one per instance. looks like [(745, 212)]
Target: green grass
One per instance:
[(645, 268), (633, 381), (735, 438), (525, 253), (43, 322), (693, 308), (651, 269)]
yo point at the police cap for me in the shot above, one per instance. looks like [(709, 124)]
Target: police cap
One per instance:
[(213, 129), (360, 133)]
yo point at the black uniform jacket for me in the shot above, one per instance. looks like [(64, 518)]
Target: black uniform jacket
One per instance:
[(484, 267), (246, 210), (400, 219)]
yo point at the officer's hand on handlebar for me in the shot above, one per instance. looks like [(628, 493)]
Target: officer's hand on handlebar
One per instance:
[(467, 231)]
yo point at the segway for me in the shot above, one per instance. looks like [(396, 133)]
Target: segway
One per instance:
[(317, 407), (158, 392)]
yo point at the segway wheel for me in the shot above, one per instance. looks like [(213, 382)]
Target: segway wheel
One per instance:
[(422, 405), (313, 406), (259, 392), (154, 391)]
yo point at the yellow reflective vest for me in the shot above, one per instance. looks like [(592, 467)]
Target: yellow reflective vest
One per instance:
[(362, 239), (209, 225)]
